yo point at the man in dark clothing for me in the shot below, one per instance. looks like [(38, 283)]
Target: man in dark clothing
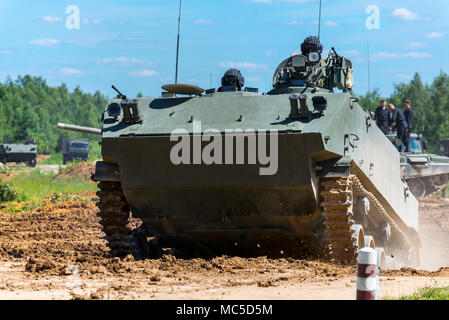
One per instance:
[(311, 44), (408, 113), (382, 117), (232, 79), (400, 124)]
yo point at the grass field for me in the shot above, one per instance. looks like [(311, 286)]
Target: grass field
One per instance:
[(34, 189), (36, 184), (432, 292)]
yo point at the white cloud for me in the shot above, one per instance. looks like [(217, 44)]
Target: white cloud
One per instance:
[(71, 72), (51, 19), (43, 42), (435, 35), (243, 65), (331, 24), (121, 61), (404, 76), (295, 23), (143, 73), (327, 23), (194, 81), (253, 79), (269, 53), (90, 21), (203, 22), (416, 45), (413, 55), (406, 15), (351, 53), (5, 52)]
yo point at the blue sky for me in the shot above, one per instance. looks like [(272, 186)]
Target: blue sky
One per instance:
[(132, 44)]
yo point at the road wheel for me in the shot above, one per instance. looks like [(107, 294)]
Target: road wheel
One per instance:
[(33, 163)]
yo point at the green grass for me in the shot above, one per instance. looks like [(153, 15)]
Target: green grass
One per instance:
[(10, 193), (36, 189), (431, 292), (38, 185)]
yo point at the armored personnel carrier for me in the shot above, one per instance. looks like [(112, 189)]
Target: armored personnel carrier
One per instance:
[(299, 171), (19, 153), (424, 173)]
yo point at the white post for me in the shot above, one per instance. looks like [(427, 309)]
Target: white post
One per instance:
[(367, 275)]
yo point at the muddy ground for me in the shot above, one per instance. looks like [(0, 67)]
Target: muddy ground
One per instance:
[(58, 252)]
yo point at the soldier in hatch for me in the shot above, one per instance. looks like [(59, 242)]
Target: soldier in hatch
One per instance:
[(232, 79), (311, 44)]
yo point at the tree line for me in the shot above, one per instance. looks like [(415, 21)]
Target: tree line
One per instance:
[(430, 103), (30, 108)]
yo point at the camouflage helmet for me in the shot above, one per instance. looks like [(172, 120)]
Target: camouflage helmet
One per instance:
[(233, 78), (311, 44)]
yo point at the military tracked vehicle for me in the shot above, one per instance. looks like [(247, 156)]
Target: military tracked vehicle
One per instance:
[(299, 171), (19, 153), (424, 173)]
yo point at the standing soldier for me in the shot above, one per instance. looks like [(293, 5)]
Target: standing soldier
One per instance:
[(382, 117), (400, 124), (408, 113)]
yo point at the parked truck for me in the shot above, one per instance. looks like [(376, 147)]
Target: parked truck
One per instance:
[(74, 149)]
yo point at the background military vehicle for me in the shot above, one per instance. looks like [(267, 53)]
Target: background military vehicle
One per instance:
[(74, 149), (333, 193), (443, 148), (19, 153), (424, 173)]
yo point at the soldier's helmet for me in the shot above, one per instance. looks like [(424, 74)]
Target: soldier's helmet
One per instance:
[(311, 44), (233, 78)]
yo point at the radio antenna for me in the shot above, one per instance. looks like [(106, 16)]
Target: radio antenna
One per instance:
[(319, 23), (369, 78), (177, 48)]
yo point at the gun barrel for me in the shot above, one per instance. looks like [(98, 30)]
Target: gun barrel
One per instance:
[(70, 127)]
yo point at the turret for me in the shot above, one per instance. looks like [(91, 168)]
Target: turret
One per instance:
[(87, 130)]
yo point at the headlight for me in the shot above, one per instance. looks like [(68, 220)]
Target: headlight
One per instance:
[(314, 57), (114, 110)]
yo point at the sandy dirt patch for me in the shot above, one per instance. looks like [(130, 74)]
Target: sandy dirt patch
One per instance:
[(58, 252)]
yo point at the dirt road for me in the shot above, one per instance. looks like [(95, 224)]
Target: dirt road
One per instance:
[(58, 252)]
